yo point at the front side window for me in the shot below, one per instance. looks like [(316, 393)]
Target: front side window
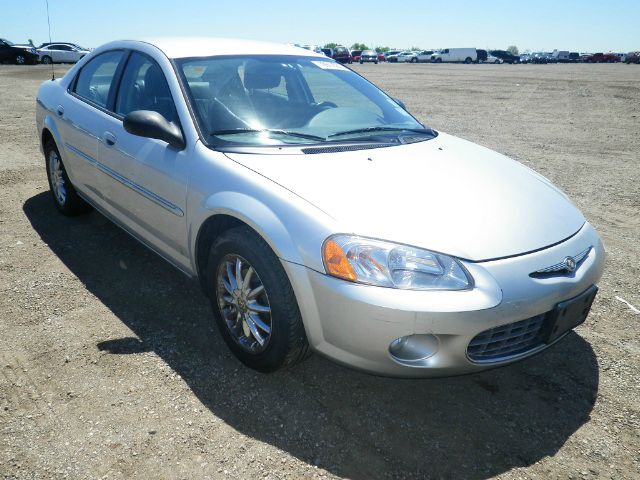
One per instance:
[(144, 87), (266, 100), (95, 80)]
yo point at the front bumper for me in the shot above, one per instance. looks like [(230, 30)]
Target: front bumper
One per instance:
[(355, 324)]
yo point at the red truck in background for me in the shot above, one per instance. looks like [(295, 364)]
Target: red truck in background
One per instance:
[(602, 58)]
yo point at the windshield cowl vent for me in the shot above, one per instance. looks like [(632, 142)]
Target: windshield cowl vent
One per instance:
[(345, 148)]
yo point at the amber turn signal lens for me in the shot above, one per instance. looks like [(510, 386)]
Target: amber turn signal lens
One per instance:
[(335, 260)]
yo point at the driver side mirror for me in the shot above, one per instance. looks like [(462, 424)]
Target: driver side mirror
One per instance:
[(146, 123), (400, 102)]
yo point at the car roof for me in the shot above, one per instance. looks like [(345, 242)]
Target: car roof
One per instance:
[(183, 47)]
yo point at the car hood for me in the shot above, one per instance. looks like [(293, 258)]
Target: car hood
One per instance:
[(446, 194)]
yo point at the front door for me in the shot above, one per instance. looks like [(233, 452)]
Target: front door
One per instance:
[(144, 180)]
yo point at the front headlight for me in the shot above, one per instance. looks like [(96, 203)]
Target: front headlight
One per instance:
[(386, 264)]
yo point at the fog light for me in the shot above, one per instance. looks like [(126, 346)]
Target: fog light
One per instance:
[(413, 349)]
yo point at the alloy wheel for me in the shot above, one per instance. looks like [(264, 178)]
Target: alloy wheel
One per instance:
[(243, 303), (56, 174)]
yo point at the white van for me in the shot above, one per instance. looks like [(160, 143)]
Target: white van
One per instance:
[(466, 55)]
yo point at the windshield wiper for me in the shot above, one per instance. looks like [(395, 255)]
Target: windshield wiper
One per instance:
[(268, 130), (426, 131)]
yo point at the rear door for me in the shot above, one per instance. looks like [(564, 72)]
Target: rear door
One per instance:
[(83, 113), (144, 180), (56, 54), (66, 53)]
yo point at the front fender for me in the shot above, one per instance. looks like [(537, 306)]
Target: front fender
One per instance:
[(248, 210)]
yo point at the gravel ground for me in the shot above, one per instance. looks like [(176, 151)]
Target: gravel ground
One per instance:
[(111, 367)]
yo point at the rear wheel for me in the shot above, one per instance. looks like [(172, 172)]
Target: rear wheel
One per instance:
[(253, 302), (46, 60), (65, 197), (467, 60)]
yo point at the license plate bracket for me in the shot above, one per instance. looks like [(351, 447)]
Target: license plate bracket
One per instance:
[(568, 315)]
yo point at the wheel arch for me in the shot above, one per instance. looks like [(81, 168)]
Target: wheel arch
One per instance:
[(50, 132), (226, 210)]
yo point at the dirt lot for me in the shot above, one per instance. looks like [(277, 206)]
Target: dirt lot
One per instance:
[(111, 367)]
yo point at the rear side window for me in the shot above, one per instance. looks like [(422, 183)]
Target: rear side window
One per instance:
[(95, 80), (144, 87)]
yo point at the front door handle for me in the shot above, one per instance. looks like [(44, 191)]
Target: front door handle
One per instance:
[(109, 138), (60, 110)]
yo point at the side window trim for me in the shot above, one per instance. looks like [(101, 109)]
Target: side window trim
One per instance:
[(71, 90), (129, 54)]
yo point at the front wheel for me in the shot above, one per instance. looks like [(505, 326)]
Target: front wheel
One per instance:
[(467, 60), (253, 302), (20, 59), (66, 199), (46, 60), (414, 60)]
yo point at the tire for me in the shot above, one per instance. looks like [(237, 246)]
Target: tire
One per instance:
[(285, 342), (414, 60), (467, 60), (361, 62), (65, 197), (376, 62), (438, 60), (46, 60), (20, 59)]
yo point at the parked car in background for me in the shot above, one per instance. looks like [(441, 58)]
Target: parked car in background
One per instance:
[(492, 59), (61, 53), (342, 55), (392, 56), (632, 57), (525, 58), (408, 56), (507, 57), (226, 160), (560, 56), (602, 58), (382, 57), (23, 55), (481, 55), (541, 57), (368, 56), (328, 52), (42, 45), (355, 55), (425, 56), (574, 57), (455, 55)]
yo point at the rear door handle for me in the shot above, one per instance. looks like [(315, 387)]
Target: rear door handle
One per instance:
[(109, 138), (60, 110)]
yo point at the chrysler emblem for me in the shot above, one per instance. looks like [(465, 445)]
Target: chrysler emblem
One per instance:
[(569, 264)]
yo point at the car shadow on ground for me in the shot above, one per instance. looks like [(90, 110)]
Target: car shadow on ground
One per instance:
[(349, 423)]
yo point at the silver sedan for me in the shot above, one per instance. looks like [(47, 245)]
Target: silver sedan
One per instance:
[(316, 212)]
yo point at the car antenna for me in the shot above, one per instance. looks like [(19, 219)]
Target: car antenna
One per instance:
[(53, 73)]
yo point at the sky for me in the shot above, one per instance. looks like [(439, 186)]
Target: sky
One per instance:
[(542, 25)]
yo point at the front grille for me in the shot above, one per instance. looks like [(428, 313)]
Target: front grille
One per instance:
[(506, 341)]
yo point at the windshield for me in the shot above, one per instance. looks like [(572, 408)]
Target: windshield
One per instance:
[(267, 100), (7, 42)]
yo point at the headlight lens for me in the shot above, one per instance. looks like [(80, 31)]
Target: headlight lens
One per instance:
[(386, 264)]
